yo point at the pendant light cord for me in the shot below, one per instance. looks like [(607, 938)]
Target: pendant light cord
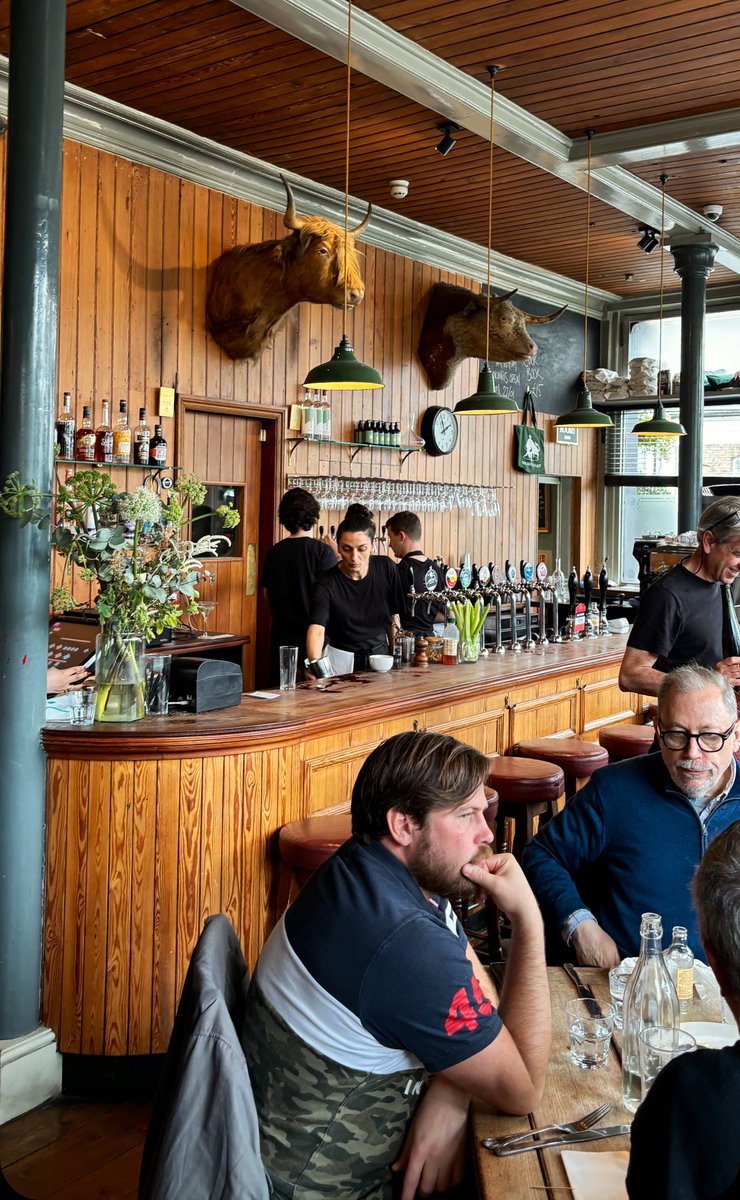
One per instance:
[(492, 71), (589, 135), (346, 159), (659, 389)]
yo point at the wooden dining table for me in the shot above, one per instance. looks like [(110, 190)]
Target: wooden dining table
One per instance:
[(569, 1093)]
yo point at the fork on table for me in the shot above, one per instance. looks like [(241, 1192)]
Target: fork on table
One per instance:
[(583, 1123)]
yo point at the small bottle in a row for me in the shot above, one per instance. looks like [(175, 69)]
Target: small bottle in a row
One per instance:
[(116, 445), (378, 433)]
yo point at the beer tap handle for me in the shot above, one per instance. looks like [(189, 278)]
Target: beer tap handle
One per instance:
[(603, 585), (588, 583), (573, 590), (321, 531)]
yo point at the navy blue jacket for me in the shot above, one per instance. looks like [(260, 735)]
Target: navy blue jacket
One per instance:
[(627, 844)]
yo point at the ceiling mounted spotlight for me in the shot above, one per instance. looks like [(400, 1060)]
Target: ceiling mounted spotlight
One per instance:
[(445, 144), (649, 240)]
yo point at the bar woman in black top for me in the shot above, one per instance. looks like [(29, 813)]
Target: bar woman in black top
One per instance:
[(290, 571), (356, 604)]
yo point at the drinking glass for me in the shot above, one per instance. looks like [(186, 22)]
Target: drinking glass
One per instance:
[(288, 667), (618, 977), (157, 684), (658, 1045), (205, 608), (81, 703), (590, 1025)]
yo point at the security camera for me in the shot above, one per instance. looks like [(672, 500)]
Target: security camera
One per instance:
[(399, 188), (712, 212)]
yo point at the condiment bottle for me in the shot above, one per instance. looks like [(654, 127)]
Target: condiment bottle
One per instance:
[(679, 959), (649, 1000), (450, 642)]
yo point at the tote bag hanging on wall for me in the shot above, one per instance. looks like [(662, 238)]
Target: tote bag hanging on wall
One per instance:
[(529, 441)]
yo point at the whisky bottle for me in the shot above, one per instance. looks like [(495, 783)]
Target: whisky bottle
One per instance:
[(142, 439), (122, 437), (104, 437), (65, 429), (85, 438), (157, 448)]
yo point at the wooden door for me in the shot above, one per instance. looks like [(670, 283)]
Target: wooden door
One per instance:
[(223, 448)]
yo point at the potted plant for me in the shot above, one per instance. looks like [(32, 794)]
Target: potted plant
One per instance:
[(136, 549)]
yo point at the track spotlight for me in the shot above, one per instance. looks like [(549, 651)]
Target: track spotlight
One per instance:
[(649, 240), (445, 144)]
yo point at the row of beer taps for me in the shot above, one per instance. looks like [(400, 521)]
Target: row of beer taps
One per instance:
[(585, 619)]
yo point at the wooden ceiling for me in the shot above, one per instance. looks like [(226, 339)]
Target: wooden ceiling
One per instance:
[(220, 71)]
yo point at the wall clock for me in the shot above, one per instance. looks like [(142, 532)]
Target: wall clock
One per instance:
[(439, 430)]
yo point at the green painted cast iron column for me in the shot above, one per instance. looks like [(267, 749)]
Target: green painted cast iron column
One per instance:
[(27, 392), (694, 259)]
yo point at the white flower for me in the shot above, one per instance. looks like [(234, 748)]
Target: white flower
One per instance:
[(140, 505)]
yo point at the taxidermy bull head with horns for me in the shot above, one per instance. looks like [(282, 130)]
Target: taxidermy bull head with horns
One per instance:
[(253, 288), (455, 328)]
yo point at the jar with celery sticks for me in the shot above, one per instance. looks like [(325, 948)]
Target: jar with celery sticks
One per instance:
[(469, 619)]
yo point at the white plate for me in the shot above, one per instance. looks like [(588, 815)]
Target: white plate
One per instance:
[(711, 1034)]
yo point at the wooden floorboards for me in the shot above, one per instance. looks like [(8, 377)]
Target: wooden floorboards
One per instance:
[(74, 1150)]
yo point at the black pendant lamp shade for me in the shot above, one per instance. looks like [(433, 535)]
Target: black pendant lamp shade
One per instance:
[(343, 372), (659, 425)]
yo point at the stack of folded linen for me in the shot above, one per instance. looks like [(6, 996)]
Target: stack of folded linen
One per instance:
[(643, 377)]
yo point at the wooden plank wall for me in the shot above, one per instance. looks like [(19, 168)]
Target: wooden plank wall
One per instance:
[(135, 247)]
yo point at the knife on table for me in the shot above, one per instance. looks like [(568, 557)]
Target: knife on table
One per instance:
[(584, 991), (563, 1139)]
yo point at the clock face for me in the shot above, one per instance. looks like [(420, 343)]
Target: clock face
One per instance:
[(439, 430)]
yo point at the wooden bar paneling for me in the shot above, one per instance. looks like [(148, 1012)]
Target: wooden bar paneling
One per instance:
[(136, 245), (143, 845)]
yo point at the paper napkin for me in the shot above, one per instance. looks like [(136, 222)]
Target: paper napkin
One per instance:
[(597, 1174)]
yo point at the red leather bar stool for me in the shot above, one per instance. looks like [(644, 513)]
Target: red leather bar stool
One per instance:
[(305, 845), (527, 789), (626, 741), (577, 759)]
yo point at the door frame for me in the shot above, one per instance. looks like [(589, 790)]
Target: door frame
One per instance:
[(271, 480)]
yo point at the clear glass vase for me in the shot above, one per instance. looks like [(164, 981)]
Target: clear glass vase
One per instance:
[(119, 675), (469, 650)]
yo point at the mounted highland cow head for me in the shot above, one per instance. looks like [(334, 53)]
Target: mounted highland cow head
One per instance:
[(455, 328), (252, 288)]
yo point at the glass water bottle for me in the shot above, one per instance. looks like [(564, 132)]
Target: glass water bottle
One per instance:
[(649, 1001), (679, 959)]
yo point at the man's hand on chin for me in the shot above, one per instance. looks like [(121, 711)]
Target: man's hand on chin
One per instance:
[(592, 947)]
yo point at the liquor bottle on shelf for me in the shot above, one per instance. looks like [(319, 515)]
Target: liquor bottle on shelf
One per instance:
[(157, 448), (104, 437), (122, 437), (142, 438), (85, 438), (679, 959), (649, 1000), (65, 429)]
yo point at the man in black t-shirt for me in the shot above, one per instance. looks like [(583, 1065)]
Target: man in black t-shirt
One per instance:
[(404, 538), (684, 1143), (680, 616)]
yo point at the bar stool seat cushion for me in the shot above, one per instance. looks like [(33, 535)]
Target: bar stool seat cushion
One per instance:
[(525, 781), (578, 759), (626, 741), (305, 845)]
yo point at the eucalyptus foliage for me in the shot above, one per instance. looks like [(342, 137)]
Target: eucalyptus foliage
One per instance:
[(129, 543)]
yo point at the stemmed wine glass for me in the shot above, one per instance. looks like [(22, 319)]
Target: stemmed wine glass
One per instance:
[(205, 608)]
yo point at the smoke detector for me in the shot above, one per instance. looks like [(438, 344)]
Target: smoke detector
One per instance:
[(713, 212), (399, 188)]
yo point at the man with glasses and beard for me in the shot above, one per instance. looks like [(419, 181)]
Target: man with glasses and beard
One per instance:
[(630, 840), (368, 986), (680, 616)]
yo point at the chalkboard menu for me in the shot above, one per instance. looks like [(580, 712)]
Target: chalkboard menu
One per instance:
[(553, 375)]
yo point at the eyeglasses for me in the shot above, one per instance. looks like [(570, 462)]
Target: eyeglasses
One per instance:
[(731, 519), (678, 739)]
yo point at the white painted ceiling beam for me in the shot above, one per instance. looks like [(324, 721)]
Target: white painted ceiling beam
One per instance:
[(408, 69), (664, 139)]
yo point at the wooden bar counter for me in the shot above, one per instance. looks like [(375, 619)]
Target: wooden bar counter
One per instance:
[(152, 826)]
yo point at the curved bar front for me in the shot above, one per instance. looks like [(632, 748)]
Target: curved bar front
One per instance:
[(153, 826)]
